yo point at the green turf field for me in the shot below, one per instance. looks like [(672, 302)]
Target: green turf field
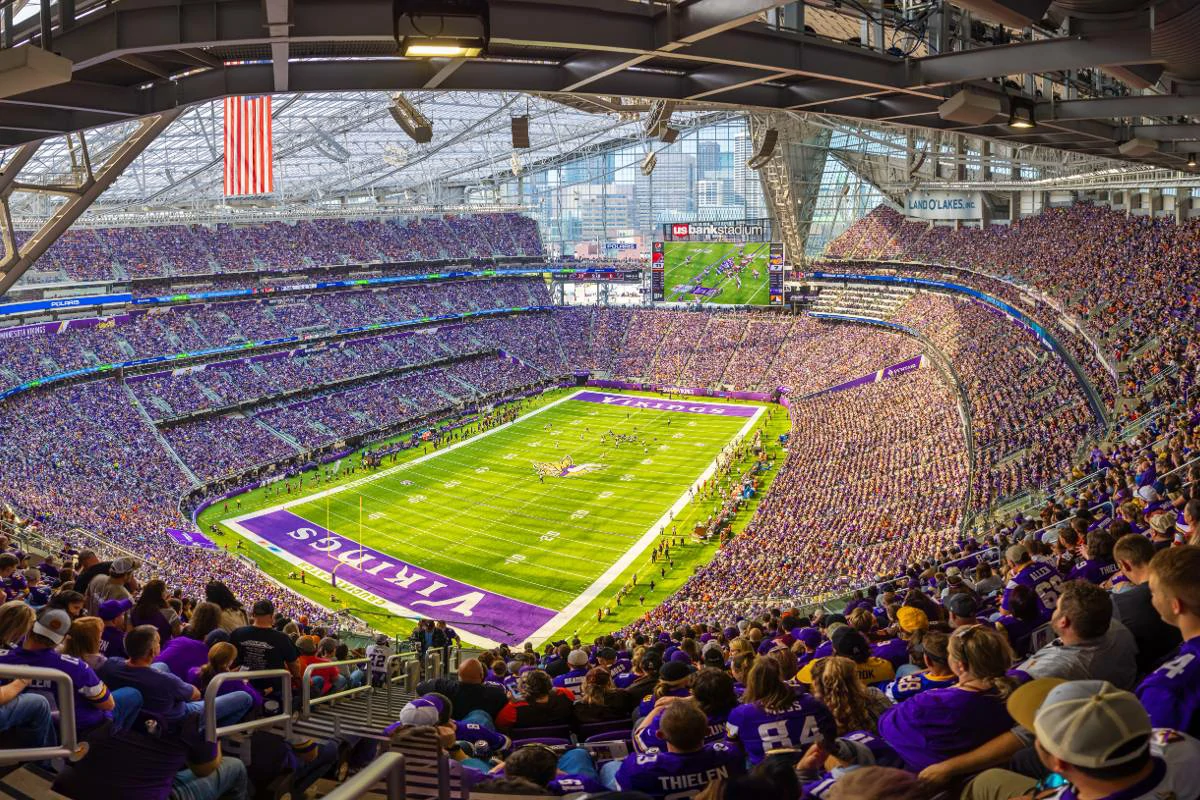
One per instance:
[(684, 265), (480, 512)]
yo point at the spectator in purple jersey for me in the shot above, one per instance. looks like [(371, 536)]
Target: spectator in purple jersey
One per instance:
[(436, 710), (577, 663), (686, 765), (941, 723), (712, 690), (1098, 743), (1043, 579), (112, 638), (1134, 607), (674, 680), (774, 714), (930, 655), (1172, 693), (1097, 565)]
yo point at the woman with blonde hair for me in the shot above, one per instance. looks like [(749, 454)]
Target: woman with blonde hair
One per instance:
[(220, 659), (83, 641), (16, 620), (942, 723), (855, 706)]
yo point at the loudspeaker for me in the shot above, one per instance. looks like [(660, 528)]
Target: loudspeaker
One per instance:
[(970, 108), (520, 133), (1136, 148), (669, 135), (765, 149)]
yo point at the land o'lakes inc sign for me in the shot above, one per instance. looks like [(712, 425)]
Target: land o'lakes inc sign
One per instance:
[(939, 204)]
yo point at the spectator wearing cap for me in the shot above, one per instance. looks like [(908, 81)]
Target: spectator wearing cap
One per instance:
[(1089, 645), (674, 680), (544, 704), (711, 689), (1134, 607), (1162, 530), (644, 676), (116, 584), (1172, 693), (94, 703), (112, 638), (261, 647), (853, 645), (473, 698), (474, 740), (1042, 579), (606, 657), (577, 662), (956, 582), (961, 610), (911, 624), (1100, 740)]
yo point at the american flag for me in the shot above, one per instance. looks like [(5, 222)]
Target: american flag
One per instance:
[(248, 166)]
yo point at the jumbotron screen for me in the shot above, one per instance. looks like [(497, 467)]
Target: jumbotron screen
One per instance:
[(714, 272)]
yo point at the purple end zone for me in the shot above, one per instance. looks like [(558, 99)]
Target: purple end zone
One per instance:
[(423, 592), (191, 539), (652, 404)]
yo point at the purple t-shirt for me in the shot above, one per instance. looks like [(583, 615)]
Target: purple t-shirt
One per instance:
[(1172, 692), (893, 650), (940, 723), (647, 704), (796, 726), (162, 693), (134, 766), (182, 654), (647, 739), (1043, 579), (662, 775), (89, 689), (112, 642)]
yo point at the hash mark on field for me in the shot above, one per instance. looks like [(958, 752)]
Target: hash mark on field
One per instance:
[(575, 422), (509, 456), (629, 476), (515, 558), (662, 448), (417, 498), (692, 424), (450, 484), (535, 444), (406, 482), (549, 536), (580, 514), (376, 515), (481, 470), (647, 462), (677, 435), (605, 495)]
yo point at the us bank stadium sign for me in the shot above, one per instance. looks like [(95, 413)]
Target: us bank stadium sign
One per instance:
[(748, 230), (944, 205)]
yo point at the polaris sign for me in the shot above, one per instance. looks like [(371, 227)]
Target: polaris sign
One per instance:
[(743, 231), (944, 205)]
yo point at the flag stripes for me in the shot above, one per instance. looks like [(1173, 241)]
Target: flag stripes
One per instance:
[(248, 154)]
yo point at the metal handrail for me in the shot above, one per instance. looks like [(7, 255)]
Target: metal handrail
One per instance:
[(388, 767), (212, 732), (306, 698), (64, 689)]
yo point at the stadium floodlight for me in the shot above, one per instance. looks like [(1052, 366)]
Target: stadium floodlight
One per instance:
[(1021, 113), (442, 28), (515, 163), (658, 117), (410, 119), (1191, 162), (648, 163)]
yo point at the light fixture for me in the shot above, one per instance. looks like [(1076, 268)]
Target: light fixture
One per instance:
[(1191, 159), (410, 119), (1021, 113), (442, 28)]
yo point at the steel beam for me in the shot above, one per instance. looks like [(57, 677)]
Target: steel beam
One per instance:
[(1105, 108), (17, 260), (278, 15)]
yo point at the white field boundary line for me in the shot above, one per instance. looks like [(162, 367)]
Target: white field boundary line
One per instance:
[(347, 587), (621, 564), (562, 617)]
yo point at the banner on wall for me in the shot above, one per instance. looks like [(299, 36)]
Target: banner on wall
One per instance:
[(944, 205)]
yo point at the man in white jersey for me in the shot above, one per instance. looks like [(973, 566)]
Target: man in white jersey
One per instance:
[(1097, 743)]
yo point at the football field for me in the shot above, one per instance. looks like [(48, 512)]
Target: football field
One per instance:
[(510, 534), (716, 272)]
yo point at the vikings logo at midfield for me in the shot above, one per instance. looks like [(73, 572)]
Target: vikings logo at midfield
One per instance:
[(565, 468)]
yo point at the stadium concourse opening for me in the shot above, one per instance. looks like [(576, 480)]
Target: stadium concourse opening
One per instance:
[(460, 399)]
